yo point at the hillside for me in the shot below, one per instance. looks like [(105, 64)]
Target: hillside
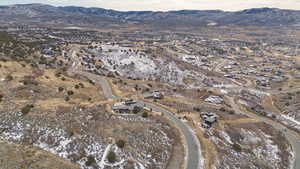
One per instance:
[(103, 18)]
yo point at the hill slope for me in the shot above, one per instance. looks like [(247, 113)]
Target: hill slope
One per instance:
[(99, 17)]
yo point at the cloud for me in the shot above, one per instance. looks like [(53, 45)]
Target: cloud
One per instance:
[(167, 4)]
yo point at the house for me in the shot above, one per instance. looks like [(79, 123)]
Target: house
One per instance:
[(154, 95), (214, 99), (209, 119), (127, 101), (127, 106)]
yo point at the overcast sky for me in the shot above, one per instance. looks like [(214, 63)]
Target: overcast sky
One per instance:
[(163, 5)]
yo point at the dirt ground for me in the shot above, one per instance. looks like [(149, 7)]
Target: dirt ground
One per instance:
[(46, 89), (20, 156)]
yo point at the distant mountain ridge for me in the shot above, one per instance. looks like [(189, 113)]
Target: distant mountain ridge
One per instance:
[(99, 17)]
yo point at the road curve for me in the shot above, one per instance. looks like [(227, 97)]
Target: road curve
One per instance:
[(193, 146)]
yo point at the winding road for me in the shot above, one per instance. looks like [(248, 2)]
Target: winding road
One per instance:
[(193, 149), (192, 143)]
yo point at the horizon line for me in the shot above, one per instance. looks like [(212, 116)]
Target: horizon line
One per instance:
[(149, 10)]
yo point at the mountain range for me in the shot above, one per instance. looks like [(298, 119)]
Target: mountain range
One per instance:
[(41, 14)]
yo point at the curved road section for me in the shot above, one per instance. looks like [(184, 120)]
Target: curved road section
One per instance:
[(193, 145), (193, 148)]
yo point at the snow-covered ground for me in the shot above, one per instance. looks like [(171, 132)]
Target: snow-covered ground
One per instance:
[(132, 63), (258, 150), (289, 120), (147, 148)]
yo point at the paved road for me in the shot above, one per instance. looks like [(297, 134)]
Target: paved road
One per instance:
[(193, 145), (292, 137), (194, 160)]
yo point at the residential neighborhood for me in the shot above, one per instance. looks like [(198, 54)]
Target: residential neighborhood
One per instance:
[(85, 87)]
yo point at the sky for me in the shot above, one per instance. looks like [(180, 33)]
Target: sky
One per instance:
[(164, 5)]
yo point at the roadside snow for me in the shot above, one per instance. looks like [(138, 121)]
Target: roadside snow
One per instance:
[(289, 121)]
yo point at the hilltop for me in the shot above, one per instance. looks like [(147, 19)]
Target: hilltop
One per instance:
[(46, 15)]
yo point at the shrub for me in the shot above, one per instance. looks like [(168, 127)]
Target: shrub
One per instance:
[(9, 78), (76, 86), (26, 109), (81, 85), (67, 99), (60, 89), (120, 143), (70, 133), (58, 74), (90, 161), (145, 115), (136, 87), (70, 92), (111, 157), (222, 109), (237, 147), (63, 78), (197, 109), (91, 82), (30, 82), (231, 112)]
